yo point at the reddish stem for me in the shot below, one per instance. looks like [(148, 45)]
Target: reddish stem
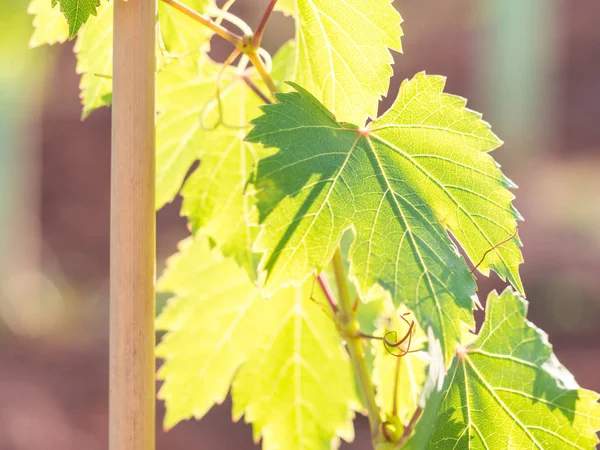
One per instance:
[(263, 23), (256, 90), (411, 426), (328, 293)]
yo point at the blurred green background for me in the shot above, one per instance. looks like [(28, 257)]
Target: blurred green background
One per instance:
[(531, 66)]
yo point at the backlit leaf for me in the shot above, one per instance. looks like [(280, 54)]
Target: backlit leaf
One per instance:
[(94, 60), (291, 375), (508, 390), (181, 34), (343, 53), (400, 184), (50, 25), (398, 379), (77, 12), (193, 125)]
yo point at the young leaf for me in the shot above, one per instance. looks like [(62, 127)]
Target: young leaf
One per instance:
[(508, 390), (298, 389), (50, 26), (292, 377), (213, 324), (94, 60), (398, 379), (185, 91), (342, 54), (422, 169), (194, 125), (94, 49), (77, 12), (181, 34)]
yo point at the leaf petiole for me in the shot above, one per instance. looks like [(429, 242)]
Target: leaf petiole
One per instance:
[(262, 70), (346, 318), (263, 23)]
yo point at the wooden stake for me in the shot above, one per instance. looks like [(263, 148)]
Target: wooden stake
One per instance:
[(132, 247)]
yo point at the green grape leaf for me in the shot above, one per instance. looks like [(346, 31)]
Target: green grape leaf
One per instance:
[(77, 12), (291, 375), (50, 25), (399, 184), (94, 60), (192, 125), (398, 379), (508, 390), (343, 53), (180, 33)]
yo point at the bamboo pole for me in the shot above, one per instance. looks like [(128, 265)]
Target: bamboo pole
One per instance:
[(132, 248)]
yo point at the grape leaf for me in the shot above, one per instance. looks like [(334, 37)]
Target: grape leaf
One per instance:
[(213, 324), (50, 25), (283, 354), (298, 390), (342, 53), (193, 126), (77, 12), (508, 390), (181, 34), (94, 49), (94, 60), (287, 7), (419, 170), (407, 372)]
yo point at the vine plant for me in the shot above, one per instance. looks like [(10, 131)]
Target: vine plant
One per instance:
[(320, 280)]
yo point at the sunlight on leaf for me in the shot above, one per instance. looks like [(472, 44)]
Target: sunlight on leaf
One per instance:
[(400, 375), (291, 376), (419, 170), (508, 390), (343, 53), (94, 60), (181, 34), (192, 125), (50, 25)]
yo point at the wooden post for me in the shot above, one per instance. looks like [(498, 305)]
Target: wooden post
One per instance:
[(132, 247)]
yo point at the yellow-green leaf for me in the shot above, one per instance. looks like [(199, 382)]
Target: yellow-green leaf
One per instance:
[(180, 33), (50, 25), (196, 123), (343, 53), (94, 60), (398, 379), (291, 375)]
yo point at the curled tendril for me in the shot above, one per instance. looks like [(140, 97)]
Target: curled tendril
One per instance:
[(508, 239), (396, 343)]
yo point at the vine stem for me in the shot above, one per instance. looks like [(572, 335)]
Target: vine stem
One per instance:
[(217, 28), (410, 427), (349, 327), (255, 89), (262, 70), (263, 23)]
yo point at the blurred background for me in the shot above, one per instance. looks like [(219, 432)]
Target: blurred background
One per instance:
[(531, 66)]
